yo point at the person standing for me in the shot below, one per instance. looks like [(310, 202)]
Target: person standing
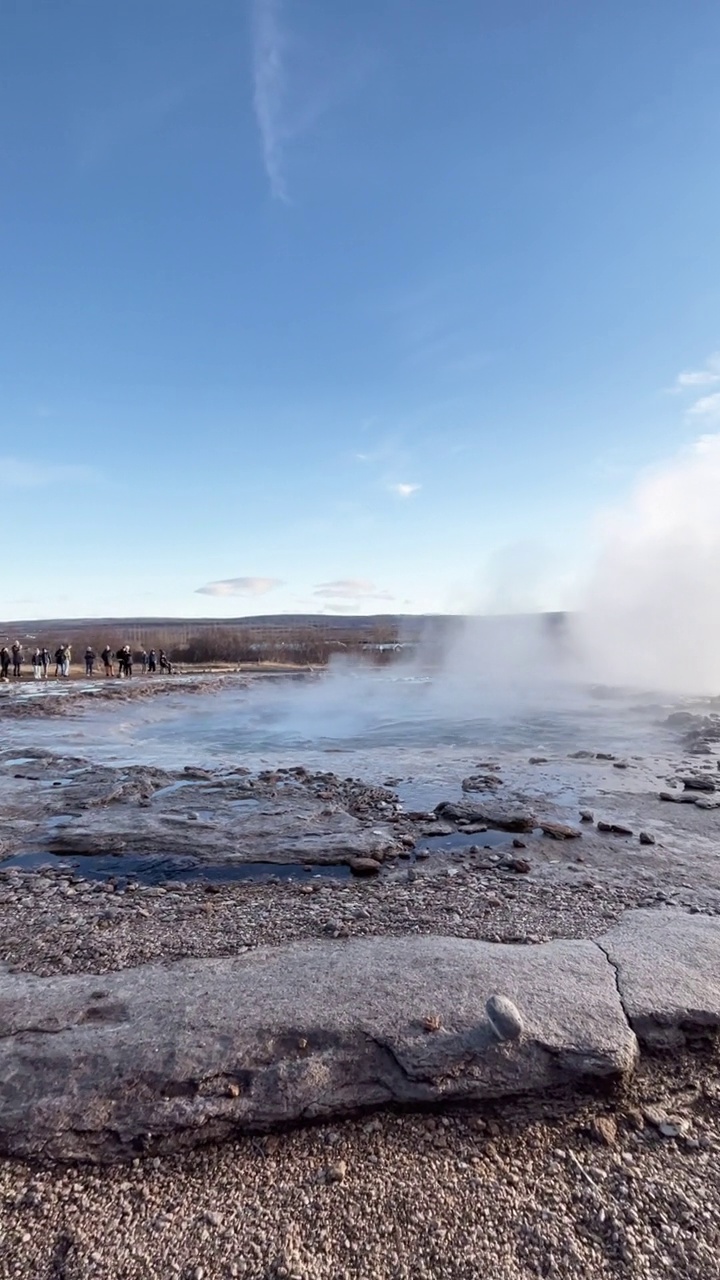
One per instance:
[(59, 659), (106, 656), (45, 658), (17, 657), (37, 664), (120, 655), (67, 659), (128, 660), (144, 661), (4, 662), (152, 662), (89, 660)]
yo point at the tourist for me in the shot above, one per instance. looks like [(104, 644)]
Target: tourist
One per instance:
[(59, 659), (37, 664), (144, 660), (128, 660), (152, 662), (89, 661), (17, 657), (165, 665), (4, 662), (45, 657), (106, 656), (67, 659)]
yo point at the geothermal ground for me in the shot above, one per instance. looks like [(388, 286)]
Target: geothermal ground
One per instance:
[(214, 819)]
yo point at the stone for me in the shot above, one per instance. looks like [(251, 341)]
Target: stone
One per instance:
[(364, 866), (586, 815), (678, 797), (537, 760), (668, 972), (614, 828), (558, 831), (646, 838), (519, 865), (604, 1129), (139, 1061), (497, 819), (504, 1018), (481, 782), (699, 782)]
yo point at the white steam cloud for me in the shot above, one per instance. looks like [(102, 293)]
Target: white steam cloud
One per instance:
[(651, 616)]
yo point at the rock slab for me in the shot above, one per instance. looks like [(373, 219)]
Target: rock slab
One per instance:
[(159, 1058), (668, 972)]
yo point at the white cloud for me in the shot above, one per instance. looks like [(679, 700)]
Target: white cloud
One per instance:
[(350, 589), (23, 473), (404, 490), (270, 82), (239, 587), (707, 407), (295, 83), (708, 376)]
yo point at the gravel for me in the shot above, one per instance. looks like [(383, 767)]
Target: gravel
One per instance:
[(545, 1189), (53, 923)]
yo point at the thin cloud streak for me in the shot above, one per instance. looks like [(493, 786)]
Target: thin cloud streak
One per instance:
[(350, 589), (269, 89), (22, 473), (239, 587)]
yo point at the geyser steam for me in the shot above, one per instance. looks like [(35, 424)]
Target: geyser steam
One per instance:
[(651, 614)]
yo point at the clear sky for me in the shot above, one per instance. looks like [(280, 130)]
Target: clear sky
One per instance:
[(321, 305)]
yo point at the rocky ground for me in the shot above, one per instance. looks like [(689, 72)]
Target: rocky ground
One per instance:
[(623, 1185), (620, 1186)]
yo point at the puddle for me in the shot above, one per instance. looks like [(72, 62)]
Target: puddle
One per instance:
[(459, 842), (158, 871)]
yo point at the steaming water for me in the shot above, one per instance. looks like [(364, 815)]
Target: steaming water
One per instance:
[(425, 731)]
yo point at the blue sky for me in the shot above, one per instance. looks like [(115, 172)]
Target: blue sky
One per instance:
[(313, 305)]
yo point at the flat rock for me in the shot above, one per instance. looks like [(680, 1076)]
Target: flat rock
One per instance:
[(668, 966), (559, 831), (498, 819), (269, 833), (159, 1058)]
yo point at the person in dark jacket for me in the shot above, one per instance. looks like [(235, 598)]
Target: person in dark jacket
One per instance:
[(4, 662), (45, 658), (89, 661), (152, 662), (128, 660), (165, 664), (17, 657), (59, 660), (106, 656)]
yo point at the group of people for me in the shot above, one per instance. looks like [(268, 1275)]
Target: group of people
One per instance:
[(41, 661)]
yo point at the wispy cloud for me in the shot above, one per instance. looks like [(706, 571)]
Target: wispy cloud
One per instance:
[(404, 490), (707, 408), (707, 376), (295, 83), (351, 589), (270, 87), (23, 473), (239, 587)]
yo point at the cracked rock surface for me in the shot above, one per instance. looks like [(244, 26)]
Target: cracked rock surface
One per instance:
[(160, 1057)]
